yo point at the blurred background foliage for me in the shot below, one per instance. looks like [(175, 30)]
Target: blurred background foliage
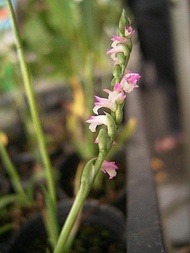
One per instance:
[(64, 42), (62, 37)]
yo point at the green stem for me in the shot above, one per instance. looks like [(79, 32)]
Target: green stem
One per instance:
[(32, 104), (75, 210), (89, 174), (14, 176), (69, 243)]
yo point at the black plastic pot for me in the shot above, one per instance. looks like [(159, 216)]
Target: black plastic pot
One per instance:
[(144, 227), (102, 230)]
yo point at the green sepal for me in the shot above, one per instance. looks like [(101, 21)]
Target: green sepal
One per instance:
[(117, 71), (111, 125), (119, 114), (88, 176), (121, 56), (127, 49), (114, 81), (103, 140)]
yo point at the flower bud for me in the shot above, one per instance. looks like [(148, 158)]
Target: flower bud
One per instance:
[(88, 175), (123, 22)]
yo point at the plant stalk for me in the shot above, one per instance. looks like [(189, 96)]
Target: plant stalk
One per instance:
[(32, 104), (51, 209), (75, 210), (14, 176), (89, 174)]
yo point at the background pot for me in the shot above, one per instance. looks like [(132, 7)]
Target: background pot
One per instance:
[(110, 223)]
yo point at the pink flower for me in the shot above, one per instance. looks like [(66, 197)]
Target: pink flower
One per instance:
[(119, 39), (116, 48), (129, 31), (110, 168), (103, 102), (96, 121), (119, 42), (115, 97), (129, 82)]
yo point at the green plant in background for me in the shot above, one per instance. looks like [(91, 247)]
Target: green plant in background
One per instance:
[(83, 93), (68, 40), (51, 199), (23, 196), (7, 59), (69, 32), (10, 76)]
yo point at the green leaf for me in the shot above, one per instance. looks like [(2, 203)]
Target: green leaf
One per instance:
[(61, 16), (9, 199)]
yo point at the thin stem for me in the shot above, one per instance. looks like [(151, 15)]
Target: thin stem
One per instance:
[(14, 176), (75, 210), (89, 174), (38, 127), (72, 235), (32, 104)]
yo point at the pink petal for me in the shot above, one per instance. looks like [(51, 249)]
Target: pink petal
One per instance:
[(109, 168), (96, 121)]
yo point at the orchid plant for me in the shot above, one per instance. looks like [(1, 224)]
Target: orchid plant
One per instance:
[(123, 83), (105, 124)]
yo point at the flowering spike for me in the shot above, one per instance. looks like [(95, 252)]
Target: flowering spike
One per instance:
[(123, 82), (121, 47)]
